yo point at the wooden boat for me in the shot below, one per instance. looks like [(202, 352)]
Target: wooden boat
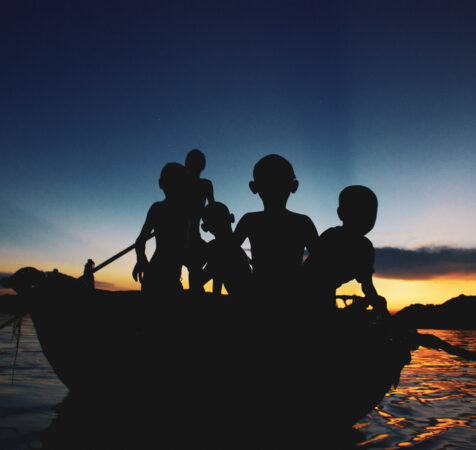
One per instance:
[(264, 374)]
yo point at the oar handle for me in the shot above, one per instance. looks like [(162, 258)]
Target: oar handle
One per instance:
[(434, 342), (117, 256)]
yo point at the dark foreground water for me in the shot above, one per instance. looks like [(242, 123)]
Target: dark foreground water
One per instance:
[(434, 406)]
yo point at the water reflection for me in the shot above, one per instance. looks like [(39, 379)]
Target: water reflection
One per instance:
[(433, 407), (435, 401)]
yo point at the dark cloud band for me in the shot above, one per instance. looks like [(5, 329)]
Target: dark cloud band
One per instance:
[(424, 263)]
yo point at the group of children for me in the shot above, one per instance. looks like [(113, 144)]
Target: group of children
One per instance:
[(278, 239)]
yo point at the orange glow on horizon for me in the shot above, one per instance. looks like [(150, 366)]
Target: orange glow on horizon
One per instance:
[(399, 293)]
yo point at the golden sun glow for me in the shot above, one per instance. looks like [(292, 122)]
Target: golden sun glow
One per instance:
[(401, 293)]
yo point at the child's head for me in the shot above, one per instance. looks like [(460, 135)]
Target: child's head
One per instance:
[(358, 208), (173, 179), (217, 218), (195, 162), (273, 178)]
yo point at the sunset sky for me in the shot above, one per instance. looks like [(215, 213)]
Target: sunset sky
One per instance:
[(96, 96)]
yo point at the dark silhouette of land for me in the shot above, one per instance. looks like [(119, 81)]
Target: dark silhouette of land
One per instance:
[(458, 313)]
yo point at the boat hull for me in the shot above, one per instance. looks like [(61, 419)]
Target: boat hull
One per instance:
[(207, 363)]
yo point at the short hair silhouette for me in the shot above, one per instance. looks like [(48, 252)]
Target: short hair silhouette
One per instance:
[(214, 214), (172, 176), (273, 166), (358, 208), (273, 178), (195, 160)]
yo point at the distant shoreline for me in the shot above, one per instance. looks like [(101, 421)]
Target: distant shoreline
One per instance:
[(455, 314)]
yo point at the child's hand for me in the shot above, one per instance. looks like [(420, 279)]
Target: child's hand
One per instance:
[(379, 303), (138, 272)]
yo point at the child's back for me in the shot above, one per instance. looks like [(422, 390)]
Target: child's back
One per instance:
[(342, 257), (344, 253)]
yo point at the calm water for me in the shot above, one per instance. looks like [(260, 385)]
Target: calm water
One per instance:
[(434, 406)]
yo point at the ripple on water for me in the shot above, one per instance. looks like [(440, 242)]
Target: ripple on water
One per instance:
[(435, 404)]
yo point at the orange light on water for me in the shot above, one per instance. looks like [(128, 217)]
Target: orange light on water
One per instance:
[(441, 425)]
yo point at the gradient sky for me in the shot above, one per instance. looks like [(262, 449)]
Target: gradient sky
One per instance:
[(97, 96)]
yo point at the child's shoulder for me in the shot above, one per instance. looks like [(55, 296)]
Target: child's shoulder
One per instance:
[(333, 233), (205, 182), (157, 206), (298, 216), (299, 220), (340, 236), (252, 216), (165, 209)]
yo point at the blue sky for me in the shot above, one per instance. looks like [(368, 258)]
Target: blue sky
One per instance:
[(97, 96)]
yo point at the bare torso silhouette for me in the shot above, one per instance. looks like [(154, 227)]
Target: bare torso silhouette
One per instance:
[(277, 240), (171, 225)]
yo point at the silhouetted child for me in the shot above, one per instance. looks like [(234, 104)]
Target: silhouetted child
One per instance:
[(226, 261), (344, 253), (88, 274), (169, 222), (200, 191), (277, 236)]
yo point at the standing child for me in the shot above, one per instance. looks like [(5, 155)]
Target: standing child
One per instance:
[(88, 274), (278, 237), (199, 192), (169, 222), (345, 253), (226, 261)]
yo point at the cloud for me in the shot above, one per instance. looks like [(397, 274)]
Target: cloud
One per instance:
[(104, 285), (424, 263)]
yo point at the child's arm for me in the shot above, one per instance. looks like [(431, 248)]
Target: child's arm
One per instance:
[(311, 236), (141, 264), (377, 302), (210, 197), (209, 271), (241, 230)]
